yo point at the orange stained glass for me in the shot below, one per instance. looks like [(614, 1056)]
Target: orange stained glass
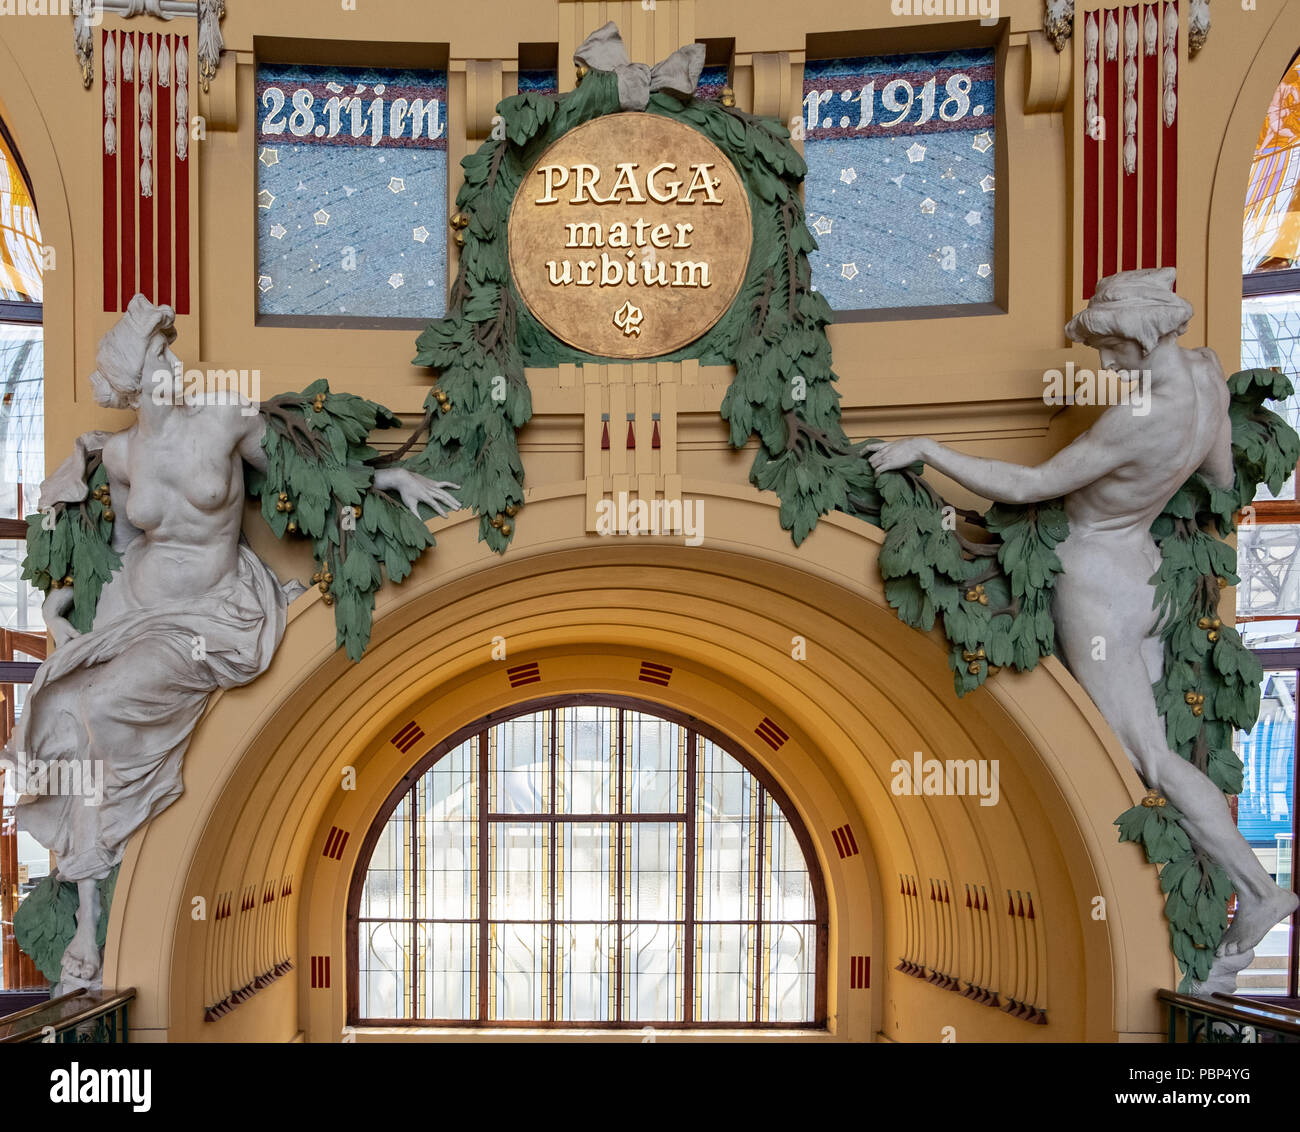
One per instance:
[(21, 253), (1272, 215)]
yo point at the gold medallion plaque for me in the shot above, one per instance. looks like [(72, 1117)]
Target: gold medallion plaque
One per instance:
[(630, 237)]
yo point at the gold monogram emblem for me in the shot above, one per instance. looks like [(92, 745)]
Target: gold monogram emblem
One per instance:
[(628, 319)]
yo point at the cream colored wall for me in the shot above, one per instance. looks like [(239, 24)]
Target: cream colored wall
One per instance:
[(261, 774)]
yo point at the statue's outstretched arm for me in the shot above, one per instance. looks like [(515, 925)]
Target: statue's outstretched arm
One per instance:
[(1087, 459)]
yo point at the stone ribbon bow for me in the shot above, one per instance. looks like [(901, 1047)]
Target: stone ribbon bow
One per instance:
[(603, 50)]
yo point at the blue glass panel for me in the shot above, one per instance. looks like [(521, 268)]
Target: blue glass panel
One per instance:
[(712, 79), (538, 82), (352, 192), (900, 179)]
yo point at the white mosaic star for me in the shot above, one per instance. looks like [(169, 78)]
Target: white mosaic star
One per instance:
[(822, 226), (982, 141), (396, 185), (849, 175), (421, 234), (269, 156), (265, 198), (983, 270), (349, 189), (321, 217), (915, 152), (899, 179), (264, 283), (396, 280), (278, 231), (948, 174), (972, 218), (849, 271), (927, 206), (987, 183)]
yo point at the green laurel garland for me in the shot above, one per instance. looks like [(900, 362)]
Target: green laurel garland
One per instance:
[(319, 485), (774, 333)]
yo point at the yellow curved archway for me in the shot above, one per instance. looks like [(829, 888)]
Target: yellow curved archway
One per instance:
[(264, 798)]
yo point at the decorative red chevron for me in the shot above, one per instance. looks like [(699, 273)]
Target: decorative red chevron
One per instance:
[(845, 843), (859, 972), (655, 673), (521, 674), (407, 737), (772, 735), (335, 841)]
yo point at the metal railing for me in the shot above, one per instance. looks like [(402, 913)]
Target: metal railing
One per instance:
[(79, 1016), (1229, 1018)]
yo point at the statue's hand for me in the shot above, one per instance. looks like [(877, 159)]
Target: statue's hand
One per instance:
[(53, 609), (416, 489), (895, 454)]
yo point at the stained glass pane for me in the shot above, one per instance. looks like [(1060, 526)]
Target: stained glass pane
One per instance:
[(520, 871), (586, 760), (789, 972), (1272, 216), (899, 192), (653, 864), (1270, 336), (449, 970), (787, 887), (1267, 558), (654, 765), (652, 973), (519, 758), (351, 192), (449, 837), (585, 972), (383, 979), (724, 973), (21, 258), (518, 971), (586, 872), (1266, 816), (726, 837), (22, 429), (387, 889)]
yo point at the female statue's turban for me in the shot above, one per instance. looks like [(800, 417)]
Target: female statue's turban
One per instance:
[(1138, 305), (118, 380)]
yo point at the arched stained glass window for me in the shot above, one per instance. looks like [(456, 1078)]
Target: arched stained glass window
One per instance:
[(587, 864)]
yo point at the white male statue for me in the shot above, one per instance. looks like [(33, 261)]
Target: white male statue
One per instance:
[(1116, 479), (191, 610)]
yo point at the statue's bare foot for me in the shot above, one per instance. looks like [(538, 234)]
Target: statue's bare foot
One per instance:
[(1254, 919), (1222, 977), (81, 960)]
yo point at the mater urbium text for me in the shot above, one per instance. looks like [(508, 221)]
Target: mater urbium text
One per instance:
[(634, 244)]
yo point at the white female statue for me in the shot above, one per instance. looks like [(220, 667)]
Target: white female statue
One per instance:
[(1116, 479), (191, 610)]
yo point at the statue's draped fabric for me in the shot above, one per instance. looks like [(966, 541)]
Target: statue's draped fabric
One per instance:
[(140, 680)]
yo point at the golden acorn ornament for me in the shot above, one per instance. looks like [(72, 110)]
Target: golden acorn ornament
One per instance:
[(496, 521), (728, 97), (458, 239), (292, 527), (512, 510), (1212, 635), (110, 514), (459, 220), (1203, 623), (581, 71), (506, 528), (328, 599)]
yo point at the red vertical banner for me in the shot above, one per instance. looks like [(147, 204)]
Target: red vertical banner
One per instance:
[(147, 63), (1111, 141), (110, 72), (1130, 45), (1150, 135), (1169, 138), (182, 143), (1091, 150), (164, 147), (126, 153)]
